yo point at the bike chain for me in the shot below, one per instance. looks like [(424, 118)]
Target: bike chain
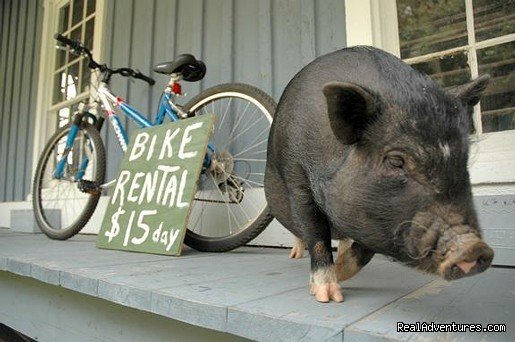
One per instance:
[(214, 201)]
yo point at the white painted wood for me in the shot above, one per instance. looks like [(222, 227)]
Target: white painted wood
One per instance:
[(359, 25), (493, 189), (7, 207), (43, 97), (44, 122), (492, 158), (372, 22), (384, 26)]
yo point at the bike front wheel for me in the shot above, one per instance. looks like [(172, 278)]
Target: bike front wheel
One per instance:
[(61, 208), (229, 208)]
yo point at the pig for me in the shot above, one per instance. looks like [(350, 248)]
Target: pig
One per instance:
[(366, 150)]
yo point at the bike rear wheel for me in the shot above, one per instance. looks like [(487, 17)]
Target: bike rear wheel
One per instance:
[(230, 208), (60, 208)]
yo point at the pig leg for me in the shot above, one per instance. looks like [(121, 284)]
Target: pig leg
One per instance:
[(298, 248), (312, 226), (352, 257), (343, 245), (323, 281)]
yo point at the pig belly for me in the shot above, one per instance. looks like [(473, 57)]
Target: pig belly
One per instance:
[(337, 234)]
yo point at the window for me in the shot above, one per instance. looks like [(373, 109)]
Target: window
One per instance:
[(70, 74), (64, 79), (457, 40)]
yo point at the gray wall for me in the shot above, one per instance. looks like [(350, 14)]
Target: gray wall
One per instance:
[(20, 37), (261, 42)]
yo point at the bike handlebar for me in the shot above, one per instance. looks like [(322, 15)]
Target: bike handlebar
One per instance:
[(74, 44), (81, 49)]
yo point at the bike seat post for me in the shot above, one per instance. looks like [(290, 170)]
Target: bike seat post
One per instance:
[(174, 88), (175, 85)]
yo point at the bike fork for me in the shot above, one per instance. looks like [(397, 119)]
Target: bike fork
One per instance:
[(74, 129), (61, 164)]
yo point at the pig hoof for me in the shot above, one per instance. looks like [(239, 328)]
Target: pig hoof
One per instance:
[(297, 251), (325, 292)]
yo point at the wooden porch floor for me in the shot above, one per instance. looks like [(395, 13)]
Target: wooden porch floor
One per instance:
[(260, 294)]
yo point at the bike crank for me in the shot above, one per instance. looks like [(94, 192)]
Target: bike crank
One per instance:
[(222, 171)]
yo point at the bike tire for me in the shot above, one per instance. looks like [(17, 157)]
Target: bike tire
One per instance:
[(209, 242), (86, 202)]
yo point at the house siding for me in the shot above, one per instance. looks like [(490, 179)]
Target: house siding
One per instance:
[(263, 43), (20, 39)]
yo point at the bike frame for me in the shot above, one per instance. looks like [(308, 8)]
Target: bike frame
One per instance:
[(167, 108), (109, 101)]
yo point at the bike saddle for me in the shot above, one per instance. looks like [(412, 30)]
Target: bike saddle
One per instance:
[(187, 65)]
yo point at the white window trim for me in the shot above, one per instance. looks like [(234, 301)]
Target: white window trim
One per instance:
[(44, 124), (374, 22), (366, 24)]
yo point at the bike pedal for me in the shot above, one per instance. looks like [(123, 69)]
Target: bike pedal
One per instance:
[(89, 187)]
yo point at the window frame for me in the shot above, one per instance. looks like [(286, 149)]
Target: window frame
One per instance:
[(374, 22), (45, 124)]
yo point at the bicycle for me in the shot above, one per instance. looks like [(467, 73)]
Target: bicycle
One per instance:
[(229, 208)]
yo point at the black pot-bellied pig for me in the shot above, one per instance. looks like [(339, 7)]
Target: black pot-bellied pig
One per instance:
[(364, 147)]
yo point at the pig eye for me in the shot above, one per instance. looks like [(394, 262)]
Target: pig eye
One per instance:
[(395, 161)]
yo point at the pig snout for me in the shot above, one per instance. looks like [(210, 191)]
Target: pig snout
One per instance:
[(468, 255), (443, 242)]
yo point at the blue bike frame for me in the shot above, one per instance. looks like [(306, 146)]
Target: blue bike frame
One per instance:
[(109, 101)]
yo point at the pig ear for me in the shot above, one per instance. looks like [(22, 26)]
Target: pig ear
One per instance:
[(350, 108), (469, 93)]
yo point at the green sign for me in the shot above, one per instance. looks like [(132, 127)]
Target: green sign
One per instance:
[(149, 208)]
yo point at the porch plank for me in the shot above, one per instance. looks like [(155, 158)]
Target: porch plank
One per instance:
[(485, 299)]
